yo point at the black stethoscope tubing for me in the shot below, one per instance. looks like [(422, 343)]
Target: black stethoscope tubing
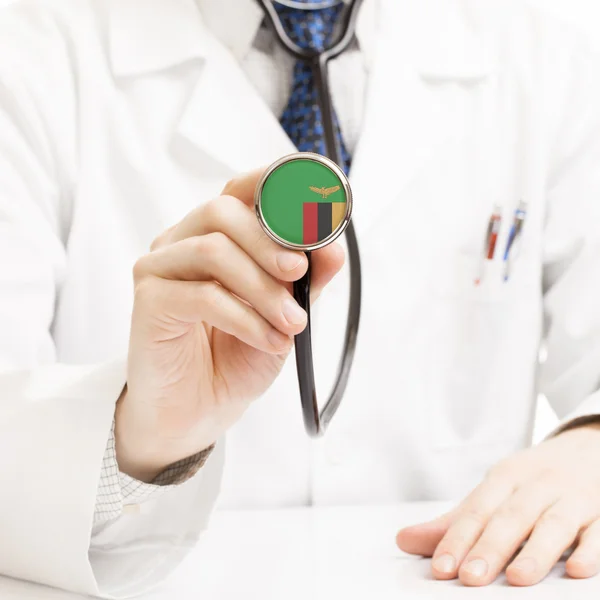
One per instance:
[(316, 421)]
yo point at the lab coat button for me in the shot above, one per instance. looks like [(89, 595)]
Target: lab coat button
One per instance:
[(131, 509)]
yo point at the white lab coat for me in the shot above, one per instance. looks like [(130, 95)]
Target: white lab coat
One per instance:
[(116, 119)]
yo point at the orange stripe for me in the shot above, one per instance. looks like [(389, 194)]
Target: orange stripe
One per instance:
[(338, 212)]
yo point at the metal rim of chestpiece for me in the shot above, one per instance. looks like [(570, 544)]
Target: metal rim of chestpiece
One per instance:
[(338, 172)]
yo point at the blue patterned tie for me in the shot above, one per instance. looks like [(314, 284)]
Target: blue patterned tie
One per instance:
[(302, 120)]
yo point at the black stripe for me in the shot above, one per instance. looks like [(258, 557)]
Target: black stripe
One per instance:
[(324, 228)]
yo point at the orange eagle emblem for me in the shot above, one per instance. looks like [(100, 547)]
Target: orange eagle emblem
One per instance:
[(323, 191)]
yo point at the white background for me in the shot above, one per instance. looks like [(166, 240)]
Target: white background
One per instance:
[(584, 14)]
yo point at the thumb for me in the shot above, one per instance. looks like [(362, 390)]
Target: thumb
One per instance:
[(423, 538)]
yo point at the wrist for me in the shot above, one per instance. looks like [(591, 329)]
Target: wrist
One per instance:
[(142, 452), (133, 456)]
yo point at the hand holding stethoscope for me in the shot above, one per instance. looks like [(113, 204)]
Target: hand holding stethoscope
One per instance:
[(212, 319), (289, 181)]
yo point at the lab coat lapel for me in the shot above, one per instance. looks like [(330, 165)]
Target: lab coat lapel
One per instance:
[(149, 38), (226, 119), (408, 116), (411, 117)]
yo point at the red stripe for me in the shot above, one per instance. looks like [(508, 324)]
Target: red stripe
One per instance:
[(492, 248), (310, 223)]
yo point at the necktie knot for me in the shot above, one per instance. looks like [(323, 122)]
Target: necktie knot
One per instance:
[(311, 29)]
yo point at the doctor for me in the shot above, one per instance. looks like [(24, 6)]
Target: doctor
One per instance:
[(124, 127)]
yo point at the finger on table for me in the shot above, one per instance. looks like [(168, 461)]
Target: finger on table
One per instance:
[(470, 521), (585, 560), (506, 530), (423, 538), (555, 531)]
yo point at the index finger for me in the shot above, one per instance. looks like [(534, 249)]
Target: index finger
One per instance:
[(247, 233), (241, 187), (471, 519), (244, 186)]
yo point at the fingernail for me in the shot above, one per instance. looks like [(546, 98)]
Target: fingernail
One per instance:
[(476, 568), (524, 565), (445, 563), (287, 261), (292, 312), (278, 340)]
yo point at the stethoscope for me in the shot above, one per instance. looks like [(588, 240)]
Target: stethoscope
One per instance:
[(316, 420)]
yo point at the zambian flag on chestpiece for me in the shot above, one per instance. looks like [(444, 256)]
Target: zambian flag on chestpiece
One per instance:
[(303, 202)]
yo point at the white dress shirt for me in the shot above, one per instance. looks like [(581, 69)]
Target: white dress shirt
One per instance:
[(237, 24)]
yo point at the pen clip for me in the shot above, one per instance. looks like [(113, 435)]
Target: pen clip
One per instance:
[(513, 235), (491, 238)]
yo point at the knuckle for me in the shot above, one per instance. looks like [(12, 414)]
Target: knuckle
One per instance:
[(548, 486), (227, 202), (261, 244), (146, 291), (211, 211), (476, 516), (230, 185), (162, 239), (210, 292), (557, 519), (216, 242), (207, 245), (157, 242), (501, 470), (141, 268), (222, 211), (509, 512), (197, 244)]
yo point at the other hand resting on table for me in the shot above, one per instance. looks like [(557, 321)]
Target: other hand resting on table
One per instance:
[(547, 497)]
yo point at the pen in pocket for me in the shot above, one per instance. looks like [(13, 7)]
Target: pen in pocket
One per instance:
[(515, 232), (491, 239)]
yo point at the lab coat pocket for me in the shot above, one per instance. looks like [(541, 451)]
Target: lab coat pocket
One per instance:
[(466, 391)]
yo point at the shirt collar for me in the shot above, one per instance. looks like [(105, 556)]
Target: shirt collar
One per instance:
[(150, 35), (234, 22), (163, 33)]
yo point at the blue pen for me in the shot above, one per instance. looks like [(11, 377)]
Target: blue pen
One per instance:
[(515, 232)]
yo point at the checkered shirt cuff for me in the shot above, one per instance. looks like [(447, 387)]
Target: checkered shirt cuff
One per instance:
[(117, 490)]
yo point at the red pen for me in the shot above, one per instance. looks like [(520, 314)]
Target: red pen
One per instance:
[(491, 240)]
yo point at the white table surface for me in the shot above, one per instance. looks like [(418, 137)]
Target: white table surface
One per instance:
[(318, 554)]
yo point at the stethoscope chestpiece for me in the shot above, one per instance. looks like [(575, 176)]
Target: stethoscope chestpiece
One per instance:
[(303, 201)]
